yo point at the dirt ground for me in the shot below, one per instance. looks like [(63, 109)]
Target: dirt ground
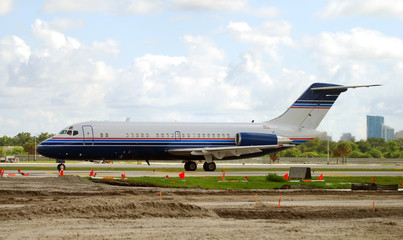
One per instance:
[(70, 207)]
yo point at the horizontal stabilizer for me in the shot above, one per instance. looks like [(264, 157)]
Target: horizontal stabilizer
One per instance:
[(343, 87)]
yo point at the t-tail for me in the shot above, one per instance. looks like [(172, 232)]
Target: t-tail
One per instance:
[(312, 106)]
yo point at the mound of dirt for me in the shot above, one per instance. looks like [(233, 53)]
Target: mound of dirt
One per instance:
[(98, 207)]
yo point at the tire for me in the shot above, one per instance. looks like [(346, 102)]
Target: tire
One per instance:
[(192, 166), (209, 166), (187, 166), (61, 166)]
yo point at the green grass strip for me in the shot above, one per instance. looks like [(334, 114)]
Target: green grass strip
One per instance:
[(254, 182)]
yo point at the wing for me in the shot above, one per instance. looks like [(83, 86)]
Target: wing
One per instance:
[(222, 152)]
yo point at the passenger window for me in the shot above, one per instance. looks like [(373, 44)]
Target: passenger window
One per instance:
[(127, 134), (137, 135), (213, 135), (183, 135), (208, 135), (158, 135), (162, 135), (147, 135), (188, 135), (167, 135), (132, 134), (227, 135), (172, 135), (101, 134), (106, 135), (142, 135), (218, 135), (204, 135)]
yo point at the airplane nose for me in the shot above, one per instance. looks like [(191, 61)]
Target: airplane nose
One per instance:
[(40, 149)]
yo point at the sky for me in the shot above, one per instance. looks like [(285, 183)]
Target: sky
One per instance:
[(63, 62)]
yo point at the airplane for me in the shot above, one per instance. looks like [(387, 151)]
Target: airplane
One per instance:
[(191, 142)]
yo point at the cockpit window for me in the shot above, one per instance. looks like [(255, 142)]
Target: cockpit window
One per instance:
[(75, 132), (63, 132), (69, 132)]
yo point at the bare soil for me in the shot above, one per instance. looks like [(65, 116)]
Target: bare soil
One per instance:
[(72, 207)]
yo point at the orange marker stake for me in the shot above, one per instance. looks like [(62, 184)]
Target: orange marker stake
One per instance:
[(373, 206), (160, 195), (279, 200), (256, 199)]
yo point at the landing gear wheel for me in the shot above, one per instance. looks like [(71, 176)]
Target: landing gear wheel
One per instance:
[(190, 166), (209, 166), (61, 166)]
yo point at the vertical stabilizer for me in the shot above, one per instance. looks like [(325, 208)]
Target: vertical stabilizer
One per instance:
[(311, 107)]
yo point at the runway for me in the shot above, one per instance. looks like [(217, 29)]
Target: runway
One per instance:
[(157, 170)]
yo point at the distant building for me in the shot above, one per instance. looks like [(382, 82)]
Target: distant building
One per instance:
[(374, 126), (346, 137), (399, 135), (388, 133), (377, 129), (325, 137)]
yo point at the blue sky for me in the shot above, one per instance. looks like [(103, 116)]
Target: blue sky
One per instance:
[(63, 62)]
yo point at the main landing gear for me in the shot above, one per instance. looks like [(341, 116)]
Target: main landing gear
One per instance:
[(190, 166), (207, 166)]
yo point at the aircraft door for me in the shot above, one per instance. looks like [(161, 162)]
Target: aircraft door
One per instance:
[(88, 135), (177, 136)]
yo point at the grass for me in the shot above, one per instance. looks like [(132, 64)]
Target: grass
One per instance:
[(255, 182)]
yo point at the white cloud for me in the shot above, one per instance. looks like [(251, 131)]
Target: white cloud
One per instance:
[(268, 37), (61, 24), (203, 5), (6, 6), (53, 38), (152, 7), (363, 7), (63, 77), (359, 43)]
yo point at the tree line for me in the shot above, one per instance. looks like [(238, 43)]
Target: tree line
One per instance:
[(23, 143), (371, 148)]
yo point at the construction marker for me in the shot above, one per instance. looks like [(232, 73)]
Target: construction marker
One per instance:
[(160, 195), (61, 172), (92, 173), (256, 199), (279, 200), (320, 177), (373, 206)]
